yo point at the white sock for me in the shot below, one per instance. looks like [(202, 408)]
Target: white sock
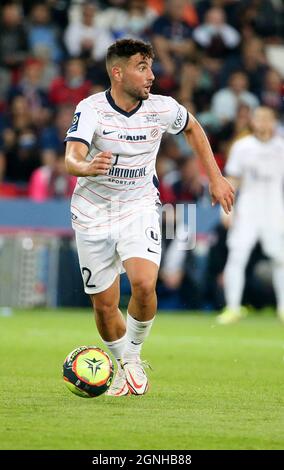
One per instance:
[(234, 278), (136, 333), (278, 284), (116, 348)]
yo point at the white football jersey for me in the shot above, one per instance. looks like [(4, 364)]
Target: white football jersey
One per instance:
[(134, 138), (260, 165)]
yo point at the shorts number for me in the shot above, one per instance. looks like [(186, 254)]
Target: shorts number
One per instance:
[(89, 275)]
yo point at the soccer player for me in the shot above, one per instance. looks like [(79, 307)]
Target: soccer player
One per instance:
[(256, 167), (112, 146)]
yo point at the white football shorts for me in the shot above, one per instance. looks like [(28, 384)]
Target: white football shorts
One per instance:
[(101, 258)]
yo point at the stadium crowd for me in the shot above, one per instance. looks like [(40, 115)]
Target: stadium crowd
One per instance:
[(220, 58)]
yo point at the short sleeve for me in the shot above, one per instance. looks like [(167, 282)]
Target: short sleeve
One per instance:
[(83, 125), (234, 165), (178, 117)]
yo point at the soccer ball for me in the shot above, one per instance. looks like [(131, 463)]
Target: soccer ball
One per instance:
[(88, 371)]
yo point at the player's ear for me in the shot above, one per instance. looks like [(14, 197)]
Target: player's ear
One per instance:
[(116, 73)]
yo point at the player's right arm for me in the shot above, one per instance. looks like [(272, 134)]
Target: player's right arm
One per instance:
[(77, 165), (78, 141)]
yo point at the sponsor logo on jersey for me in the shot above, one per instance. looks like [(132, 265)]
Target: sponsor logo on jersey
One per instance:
[(127, 172), (107, 132), (152, 118), (132, 137), (75, 122), (178, 120)]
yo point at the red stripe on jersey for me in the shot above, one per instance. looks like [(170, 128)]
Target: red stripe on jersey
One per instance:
[(77, 209), (86, 199), (106, 124), (109, 199), (107, 111), (124, 189), (117, 220), (77, 223), (131, 141)]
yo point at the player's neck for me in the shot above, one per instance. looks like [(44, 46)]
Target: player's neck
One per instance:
[(263, 137), (123, 101)]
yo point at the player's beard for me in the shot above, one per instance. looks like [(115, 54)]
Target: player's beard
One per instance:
[(136, 93)]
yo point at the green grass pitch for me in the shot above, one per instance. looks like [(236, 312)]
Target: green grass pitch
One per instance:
[(212, 387)]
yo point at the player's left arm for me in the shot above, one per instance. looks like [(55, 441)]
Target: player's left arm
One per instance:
[(220, 188)]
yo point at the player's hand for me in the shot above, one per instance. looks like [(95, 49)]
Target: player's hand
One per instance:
[(223, 192), (100, 164)]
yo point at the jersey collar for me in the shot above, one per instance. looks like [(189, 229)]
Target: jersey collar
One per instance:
[(118, 109)]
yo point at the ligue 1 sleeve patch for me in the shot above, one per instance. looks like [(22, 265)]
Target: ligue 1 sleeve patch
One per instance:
[(75, 121)]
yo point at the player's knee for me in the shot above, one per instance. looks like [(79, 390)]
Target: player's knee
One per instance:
[(143, 287), (105, 309)]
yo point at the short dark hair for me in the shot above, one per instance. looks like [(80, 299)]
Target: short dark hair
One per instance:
[(125, 48)]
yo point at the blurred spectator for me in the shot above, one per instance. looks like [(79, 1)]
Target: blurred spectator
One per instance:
[(179, 273), (272, 92), (52, 137), (30, 86), (2, 166), (22, 156), (19, 142), (51, 179), (86, 40), (19, 116), (133, 21), (138, 19), (158, 6), (259, 17), (225, 102), (170, 150), (5, 83), (230, 8), (172, 41), (13, 37), (195, 80), (163, 165), (42, 33), (190, 187), (215, 36), (59, 12), (236, 129), (49, 69), (189, 13), (252, 61), (72, 87)]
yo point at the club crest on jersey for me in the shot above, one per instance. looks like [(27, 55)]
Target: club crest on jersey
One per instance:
[(154, 132), (75, 121), (132, 137)]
